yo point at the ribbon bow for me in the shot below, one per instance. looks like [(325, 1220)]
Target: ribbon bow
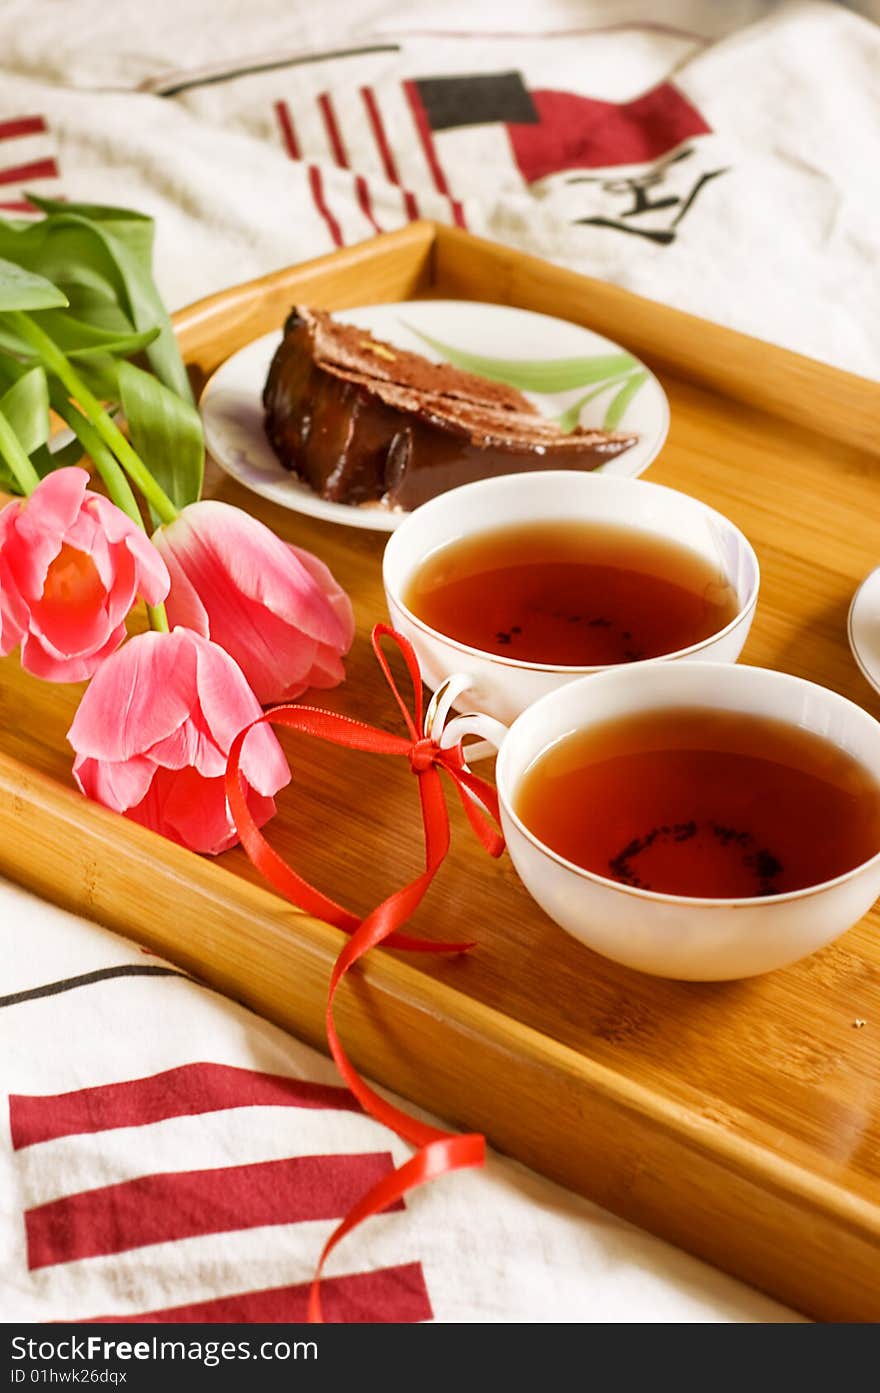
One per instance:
[(438, 1151)]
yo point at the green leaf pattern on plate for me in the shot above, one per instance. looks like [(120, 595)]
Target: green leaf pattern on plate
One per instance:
[(622, 398), (546, 375)]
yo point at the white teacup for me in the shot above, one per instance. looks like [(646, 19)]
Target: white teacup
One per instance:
[(672, 935), (503, 687)]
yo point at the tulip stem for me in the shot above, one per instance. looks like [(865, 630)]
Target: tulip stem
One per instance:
[(17, 458), (109, 432), (117, 485), (158, 618)]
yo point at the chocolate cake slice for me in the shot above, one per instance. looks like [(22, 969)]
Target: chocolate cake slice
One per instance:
[(364, 422)]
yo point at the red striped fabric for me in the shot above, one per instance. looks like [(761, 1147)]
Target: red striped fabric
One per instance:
[(426, 136), (316, 183), (377, 126), (395, 1295), (34, 169), (288, 134), (182, 1092), (332, 128), (184, 1204), (381, 139), (340, 155), (16, 178), (362, 190), (22, 125)]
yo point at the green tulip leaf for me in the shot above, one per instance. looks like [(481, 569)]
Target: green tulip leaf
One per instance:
[(126, 223), (11, 369), (100, 373), (166, 432), (26, 408), (78, 339), (21, 289), (45, 459), (104, 264)]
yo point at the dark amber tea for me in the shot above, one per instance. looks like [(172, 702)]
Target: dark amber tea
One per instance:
[(703, 803), (571, 594)]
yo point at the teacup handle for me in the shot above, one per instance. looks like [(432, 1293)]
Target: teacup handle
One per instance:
[(449, 733)]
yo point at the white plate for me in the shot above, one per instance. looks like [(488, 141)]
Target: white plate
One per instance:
[(863, 628), (232, 408)]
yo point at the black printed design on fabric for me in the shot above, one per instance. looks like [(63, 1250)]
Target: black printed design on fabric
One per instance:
[(477, 99)]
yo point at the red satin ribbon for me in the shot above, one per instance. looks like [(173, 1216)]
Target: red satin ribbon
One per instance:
[(438, 1152)]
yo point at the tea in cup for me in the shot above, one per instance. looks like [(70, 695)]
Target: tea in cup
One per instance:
[(704, 821), (522, 583)]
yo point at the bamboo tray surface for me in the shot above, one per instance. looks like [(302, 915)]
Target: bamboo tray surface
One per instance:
[(740, 1119)]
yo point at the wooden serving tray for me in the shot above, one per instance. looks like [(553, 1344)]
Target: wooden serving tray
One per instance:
[(740, 1120)]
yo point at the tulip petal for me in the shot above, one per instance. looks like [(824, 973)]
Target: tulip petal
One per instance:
[(150, 812), (327, 669), (109, 520), (39, 658), (269, 605), (183, 604), (333, 592), (139, 696), (8, 518), (276, 655), (201, 820), (263, 762), (118, 786), (228, 705), (166, 770), (179, 749), (153, 580), (123, 591), (40, 525), (13, 611), (261, 808), (226, 700), (55, 503), (191, 745), (194, 810), (72, 614), (225, 549), (72, 564)]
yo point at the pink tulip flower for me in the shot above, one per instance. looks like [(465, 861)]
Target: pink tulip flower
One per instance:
[(71, 565), (275, 608), (13, 610), (153, 732)]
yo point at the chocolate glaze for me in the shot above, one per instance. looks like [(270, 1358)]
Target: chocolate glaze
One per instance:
[(364, 422)]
